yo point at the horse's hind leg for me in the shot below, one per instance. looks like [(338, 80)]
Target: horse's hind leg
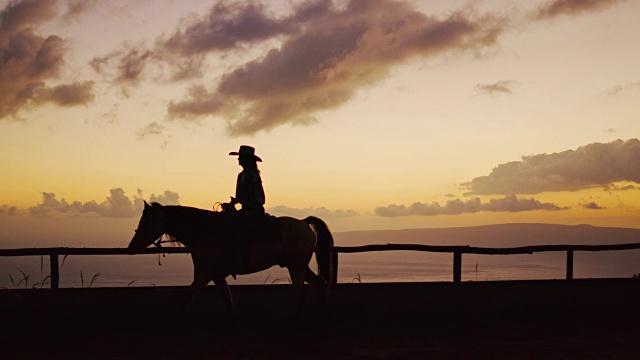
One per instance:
[(297, 279), (320, 289)]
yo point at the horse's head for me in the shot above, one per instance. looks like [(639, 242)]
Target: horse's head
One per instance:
[(150, 228)]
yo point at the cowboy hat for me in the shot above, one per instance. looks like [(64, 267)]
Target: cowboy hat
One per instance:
[(248, 151)]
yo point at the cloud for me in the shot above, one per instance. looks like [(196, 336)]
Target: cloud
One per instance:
[(555, 8), (18, 15), (615, 187), (616, 90), (9, 210), (597, 164), (230, 25), (116, 205), (131, 61), (322, 56), (152, 129), (167, 198), (509, 203), (76, 8), (79, 93), (497, 88), (333, 57), (320, 212), (29, 61), (592, 206), (226, 27)]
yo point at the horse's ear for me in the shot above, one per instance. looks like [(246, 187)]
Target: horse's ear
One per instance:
[(146, 205)]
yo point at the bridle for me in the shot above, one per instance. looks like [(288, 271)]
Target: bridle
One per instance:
[(158, 243)]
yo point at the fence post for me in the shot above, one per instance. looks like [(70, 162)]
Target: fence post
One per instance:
[(55, 271), (569, 264), (457, 266)]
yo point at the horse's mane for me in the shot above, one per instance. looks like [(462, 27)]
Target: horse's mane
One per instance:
[(188, 209), (192, 219)]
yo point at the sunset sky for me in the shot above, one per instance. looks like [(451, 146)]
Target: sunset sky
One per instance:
[(369, 114)]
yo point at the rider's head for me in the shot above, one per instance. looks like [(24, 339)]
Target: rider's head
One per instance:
[(245, 160), (246, 156)]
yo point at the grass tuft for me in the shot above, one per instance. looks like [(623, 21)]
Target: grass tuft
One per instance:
[(42, 282), (357, 279), (94, 278), (25, 279)]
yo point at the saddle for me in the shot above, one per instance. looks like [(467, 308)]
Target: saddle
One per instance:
[(253, 228), (250, 229), (272, 232)]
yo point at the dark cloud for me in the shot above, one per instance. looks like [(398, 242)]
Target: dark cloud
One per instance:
[(615, 187), (509, 203), (202, 103), (326, 54), (497, 88), (329, 60), (116, 205), (80, 93), (227, 26), (321, 212), (18, 15), (30, 60), (597, 164), (592, 206), (557, 8), (129, 64)]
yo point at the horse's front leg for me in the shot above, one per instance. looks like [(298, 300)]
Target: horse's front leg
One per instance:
[(221, 283), (198, 285)]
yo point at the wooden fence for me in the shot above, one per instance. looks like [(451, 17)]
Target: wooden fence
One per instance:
[(457, 251)]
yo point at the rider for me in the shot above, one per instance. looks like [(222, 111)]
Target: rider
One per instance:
[(250, 195), (249, 191)]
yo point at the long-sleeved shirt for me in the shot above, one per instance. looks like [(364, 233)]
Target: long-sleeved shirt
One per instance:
[(249, 191)]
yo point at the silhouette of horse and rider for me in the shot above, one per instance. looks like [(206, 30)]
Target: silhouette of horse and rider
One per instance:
[(232, 242)]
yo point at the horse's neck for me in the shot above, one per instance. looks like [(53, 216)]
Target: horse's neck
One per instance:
[(188, 224)]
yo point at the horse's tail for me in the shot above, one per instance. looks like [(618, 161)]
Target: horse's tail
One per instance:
[(324, 249)]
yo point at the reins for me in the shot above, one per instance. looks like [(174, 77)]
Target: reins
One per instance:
[(217, 206), (158, 243)]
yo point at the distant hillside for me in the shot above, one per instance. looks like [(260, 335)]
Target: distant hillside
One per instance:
[(500, 235)]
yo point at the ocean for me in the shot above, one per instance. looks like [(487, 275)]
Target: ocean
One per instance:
[(374, 267)]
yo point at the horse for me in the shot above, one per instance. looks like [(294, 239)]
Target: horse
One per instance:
[(209, 236)]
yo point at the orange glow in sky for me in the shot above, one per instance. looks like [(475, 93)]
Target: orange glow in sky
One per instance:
[(372, 115)]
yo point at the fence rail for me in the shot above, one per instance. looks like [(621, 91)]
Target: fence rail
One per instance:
[(457, 251)]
